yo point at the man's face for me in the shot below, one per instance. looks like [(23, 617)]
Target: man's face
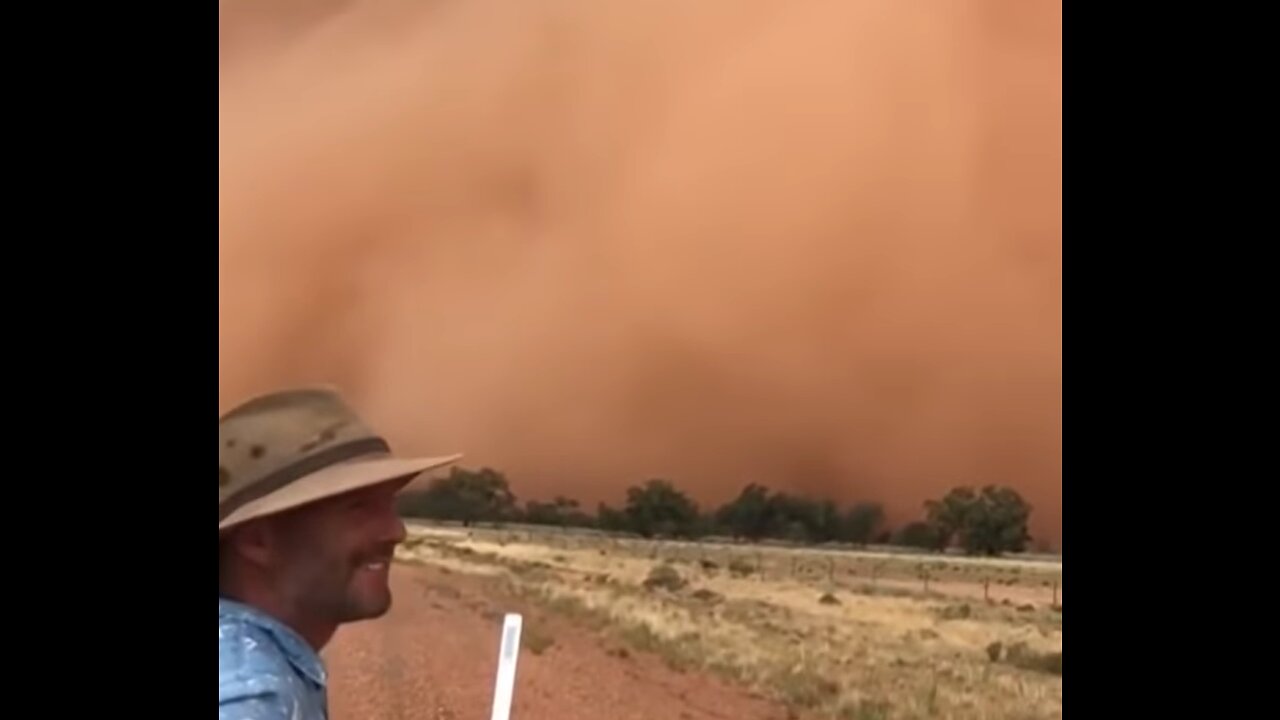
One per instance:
[(333, 557)]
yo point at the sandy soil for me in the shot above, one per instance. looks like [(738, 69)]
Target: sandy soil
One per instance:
[(434, 656)]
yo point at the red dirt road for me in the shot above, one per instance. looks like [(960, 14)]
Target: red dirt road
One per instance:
[(434, 657)]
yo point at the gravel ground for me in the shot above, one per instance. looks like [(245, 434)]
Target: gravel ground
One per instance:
[(434, 657)]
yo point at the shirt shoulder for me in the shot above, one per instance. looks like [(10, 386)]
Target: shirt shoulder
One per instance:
[(246, 649), (256, 680), (259, 698)]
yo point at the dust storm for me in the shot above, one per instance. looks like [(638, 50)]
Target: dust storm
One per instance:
[(811, 244)]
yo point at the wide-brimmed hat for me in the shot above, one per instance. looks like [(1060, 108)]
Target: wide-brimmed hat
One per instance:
[(287, 449)]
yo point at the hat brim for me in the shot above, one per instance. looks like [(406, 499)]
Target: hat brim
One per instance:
[(336, 480)]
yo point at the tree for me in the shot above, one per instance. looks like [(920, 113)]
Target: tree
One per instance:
[(757, 513), (989, 522), (611, 519), (791, 518), (949, 515), (658, 508), (998, 523), (919, 535), (561, 512), (571, 513), (747, 516), (825, 522), (465, 495), (704, 525), (862, 522), (540, 513)]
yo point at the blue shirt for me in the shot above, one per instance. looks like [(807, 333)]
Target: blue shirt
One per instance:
[(266, 671)]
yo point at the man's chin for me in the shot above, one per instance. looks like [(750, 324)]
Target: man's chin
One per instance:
[(368, 609), (369, 597)]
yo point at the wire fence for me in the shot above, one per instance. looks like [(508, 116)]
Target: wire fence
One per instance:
[(1018, 581)]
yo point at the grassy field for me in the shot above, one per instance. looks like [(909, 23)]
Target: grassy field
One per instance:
[(838, 634)]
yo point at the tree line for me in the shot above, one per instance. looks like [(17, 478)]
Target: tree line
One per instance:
[(990, 520)]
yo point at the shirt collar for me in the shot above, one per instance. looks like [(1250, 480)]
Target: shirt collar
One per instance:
[(299, 653)]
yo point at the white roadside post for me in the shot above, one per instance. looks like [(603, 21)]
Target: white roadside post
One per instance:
[(508, 654)]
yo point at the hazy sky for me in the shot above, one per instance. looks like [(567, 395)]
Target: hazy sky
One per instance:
[(815, 245)]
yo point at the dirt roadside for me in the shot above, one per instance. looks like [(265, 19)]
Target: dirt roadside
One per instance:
[(434, 656)]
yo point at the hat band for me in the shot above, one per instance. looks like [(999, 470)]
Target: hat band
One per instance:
[(307, 465)]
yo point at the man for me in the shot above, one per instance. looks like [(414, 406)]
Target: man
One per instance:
[(306, 531)]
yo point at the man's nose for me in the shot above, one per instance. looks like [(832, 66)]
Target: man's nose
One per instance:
[(393, 528)]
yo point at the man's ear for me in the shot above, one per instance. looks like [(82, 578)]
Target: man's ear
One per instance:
[(252, 542)]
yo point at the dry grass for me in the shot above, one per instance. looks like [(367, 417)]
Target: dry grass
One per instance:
[(879, 651)]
